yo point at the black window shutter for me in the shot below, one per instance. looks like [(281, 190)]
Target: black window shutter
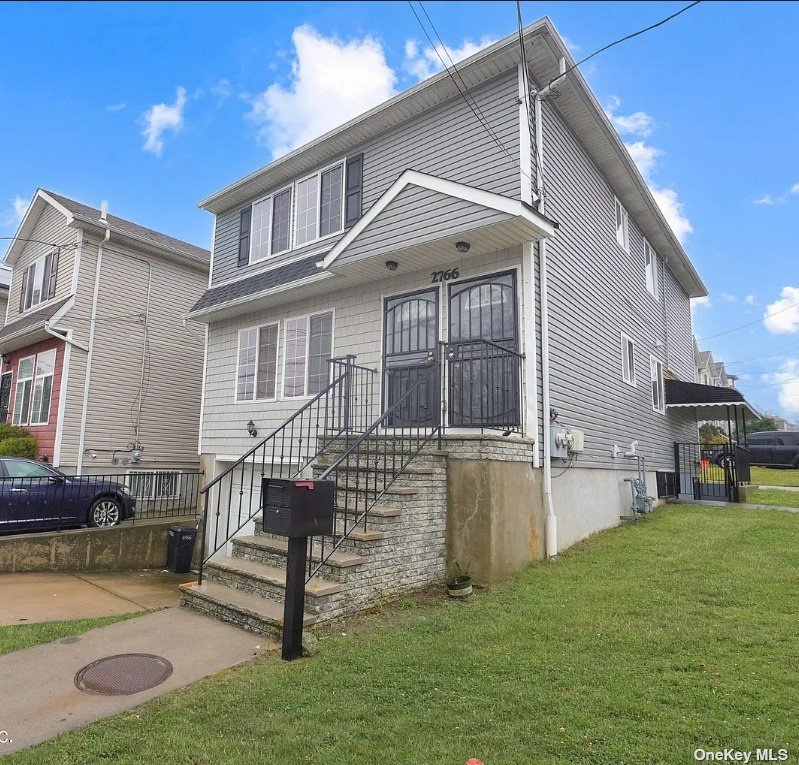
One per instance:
[(353, 190), (23, 290), (244, 236), (53, 256)]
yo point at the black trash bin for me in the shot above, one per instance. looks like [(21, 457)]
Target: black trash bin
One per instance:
[(180, 548)]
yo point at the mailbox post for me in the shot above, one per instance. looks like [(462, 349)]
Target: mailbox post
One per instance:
[(296, 509)]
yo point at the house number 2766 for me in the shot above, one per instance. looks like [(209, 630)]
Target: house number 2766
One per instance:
[(444, 276)]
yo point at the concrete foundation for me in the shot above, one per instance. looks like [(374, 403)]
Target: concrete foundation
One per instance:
[(121, 547)]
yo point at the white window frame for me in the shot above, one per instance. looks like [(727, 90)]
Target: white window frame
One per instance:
[(38, 267), (651, 268), (255, 397), (623, 233), (628, 342), (21, 381), (341, 163), (36, 378), (271, 199), (656, 370), (305, 395), (153, 496)]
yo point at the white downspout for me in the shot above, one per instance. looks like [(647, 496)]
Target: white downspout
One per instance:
[(551, 520), (93, 324)]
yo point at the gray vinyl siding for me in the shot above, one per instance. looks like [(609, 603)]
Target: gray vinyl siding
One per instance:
[(3, 306), (169, 425), (435, 143), (418, 215), (52, 229), (357, 329), (597, 291)]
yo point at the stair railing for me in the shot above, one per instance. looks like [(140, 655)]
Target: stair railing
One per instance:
[(367, 468), (343, 409)]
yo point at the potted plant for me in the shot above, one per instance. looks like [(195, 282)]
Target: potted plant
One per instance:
[(459, 582)]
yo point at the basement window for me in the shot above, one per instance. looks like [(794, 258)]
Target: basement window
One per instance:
[(154, 484)]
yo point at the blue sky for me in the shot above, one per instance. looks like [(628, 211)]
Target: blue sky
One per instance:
[(154, 105)]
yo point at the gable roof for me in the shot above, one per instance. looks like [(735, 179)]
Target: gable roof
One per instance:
[(16, 333), (546, 51), (79, 214)]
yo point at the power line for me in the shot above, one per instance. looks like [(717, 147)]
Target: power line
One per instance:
[(624, 39), (767, 356), (750, 324)]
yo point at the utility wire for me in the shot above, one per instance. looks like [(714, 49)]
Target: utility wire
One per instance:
[(767, 356), (624, 39), (750, 324)]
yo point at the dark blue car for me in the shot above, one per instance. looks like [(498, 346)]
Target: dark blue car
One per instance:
[(35, 496)]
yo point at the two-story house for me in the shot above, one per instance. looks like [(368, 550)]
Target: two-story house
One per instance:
[(98, 362), (462, 306)]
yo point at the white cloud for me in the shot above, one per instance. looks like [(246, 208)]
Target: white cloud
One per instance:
[(332, 81), (572, 46), (637, 123), (788, 380), (769, 200), (115, 107), (782, 316), (222, 89), (425, 62), (645, 157), (15, 212), (729, 298), (701, 302), (795, 188), (766, 200), (160, 118), (749, 300)]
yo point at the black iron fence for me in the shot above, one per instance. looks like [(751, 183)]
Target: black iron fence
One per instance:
[(50, 500), (711, 471)]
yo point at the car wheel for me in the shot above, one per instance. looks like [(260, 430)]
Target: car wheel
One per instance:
[(105, 512)]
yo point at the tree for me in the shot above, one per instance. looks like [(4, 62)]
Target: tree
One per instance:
[(763, 424), (711, 434)]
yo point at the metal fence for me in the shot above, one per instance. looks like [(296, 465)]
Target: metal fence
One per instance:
[(53, 501)]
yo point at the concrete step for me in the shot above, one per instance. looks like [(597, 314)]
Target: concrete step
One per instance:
[(272, 551), (387, 443), (260, 615), (268, 582), (379, 466)]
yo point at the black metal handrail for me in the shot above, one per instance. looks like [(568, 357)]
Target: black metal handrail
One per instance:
[(342, 410), (484, 385), (364, 472)]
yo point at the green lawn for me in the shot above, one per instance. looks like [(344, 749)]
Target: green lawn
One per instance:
[(24, 635), (635, 647), (775, 477), (773, 497)]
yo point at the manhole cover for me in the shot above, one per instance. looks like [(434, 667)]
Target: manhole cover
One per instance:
[(123, 674)]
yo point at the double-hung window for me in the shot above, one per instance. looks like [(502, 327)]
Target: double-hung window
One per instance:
[(22, 396), (270, 229), (308, 345), (651, 269), (658, 400), (256, 374), (319, 209), (38, 281), (622, 226), (43, 388), (627, 360)]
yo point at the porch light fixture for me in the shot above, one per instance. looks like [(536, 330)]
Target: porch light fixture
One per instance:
[(462, 246), (392, 265), (251, 429)]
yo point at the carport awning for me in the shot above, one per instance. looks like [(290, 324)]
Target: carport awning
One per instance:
[(711, 402)]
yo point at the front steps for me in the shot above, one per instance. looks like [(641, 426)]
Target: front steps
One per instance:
[(401, 549)]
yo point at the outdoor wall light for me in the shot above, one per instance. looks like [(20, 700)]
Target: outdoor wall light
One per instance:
[(462, 246), (251, 429), (392, 265)]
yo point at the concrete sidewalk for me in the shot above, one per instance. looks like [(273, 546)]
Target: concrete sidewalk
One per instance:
[(48, 597), (37, 687)]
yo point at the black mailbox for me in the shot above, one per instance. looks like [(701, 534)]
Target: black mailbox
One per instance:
[(295, 508)]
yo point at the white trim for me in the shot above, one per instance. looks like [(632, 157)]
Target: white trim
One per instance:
[(525, 145), (512, 207), (530, 376), (342, 163), (62, 400), (213, 248), (202, 393), (661, 367), (257, 329), (653, 256), (625, 225), (76, 262), (36, 377), (30, 400), (625, 338), (271, 197), (306, 394)]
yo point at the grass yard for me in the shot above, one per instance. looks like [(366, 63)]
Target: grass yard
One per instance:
[(638, 646), (19, 636), (773, 497), (775, 477)]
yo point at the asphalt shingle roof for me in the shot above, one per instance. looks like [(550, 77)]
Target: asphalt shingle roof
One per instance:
[(251, 285), (30, 320), (123, 226)]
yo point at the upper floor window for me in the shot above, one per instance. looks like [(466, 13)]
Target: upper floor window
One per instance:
[(651, 269), (627, 360), (256, 374), (269, 230), (622, 226), (308, 345), (38, 281), (658, 399)]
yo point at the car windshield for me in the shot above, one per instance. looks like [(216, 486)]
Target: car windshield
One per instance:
[(27, 469)]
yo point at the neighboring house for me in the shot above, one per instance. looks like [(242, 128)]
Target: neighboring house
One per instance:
[(538, 257), (5, 282), (98, 362), (708, 371), (783, 424)]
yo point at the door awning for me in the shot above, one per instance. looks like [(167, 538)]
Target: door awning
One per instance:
[(711, 402)]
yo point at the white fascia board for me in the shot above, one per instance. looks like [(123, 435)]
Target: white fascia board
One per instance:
[(489, 199)]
